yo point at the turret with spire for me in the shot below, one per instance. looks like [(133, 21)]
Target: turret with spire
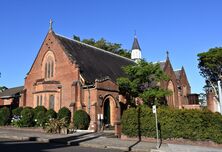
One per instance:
[(136, 51)]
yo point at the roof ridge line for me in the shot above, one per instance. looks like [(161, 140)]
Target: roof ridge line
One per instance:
[(95, 47), (16, 87), (177, 70), (159, 61)]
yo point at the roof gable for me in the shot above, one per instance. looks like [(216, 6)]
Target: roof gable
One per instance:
[(11, 92), (181, 77), (50, 32), (178, 74)]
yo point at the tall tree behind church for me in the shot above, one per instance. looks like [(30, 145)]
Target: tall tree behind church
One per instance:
[(105, 45)]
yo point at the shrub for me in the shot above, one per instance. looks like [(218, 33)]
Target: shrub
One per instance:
[(66, 114), (55, 125), (4, 116), (17, 111), (40, 119), (51, 114), (39, 115), (27, 116), (175, 123), (38, 109), (81, 119)]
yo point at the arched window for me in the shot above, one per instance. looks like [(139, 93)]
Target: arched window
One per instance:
[(51, 102), (37, 101), (49, 65), (52, 68), (41, 100), (171, 98), (46, 70), (184, 91)]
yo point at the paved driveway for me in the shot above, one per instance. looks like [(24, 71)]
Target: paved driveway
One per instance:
[(8, 145)]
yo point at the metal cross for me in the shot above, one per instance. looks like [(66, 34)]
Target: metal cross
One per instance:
[(167, 52), (50, 24)]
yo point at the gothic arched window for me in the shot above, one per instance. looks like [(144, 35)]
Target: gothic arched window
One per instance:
[(49, 65), (51, 102), (171, 98)]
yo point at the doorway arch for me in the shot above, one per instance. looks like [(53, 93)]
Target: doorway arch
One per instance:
[(106, 112), (110, 110)]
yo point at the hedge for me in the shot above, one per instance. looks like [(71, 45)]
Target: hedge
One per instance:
[(175, 123), (4, 116), (81, 119)]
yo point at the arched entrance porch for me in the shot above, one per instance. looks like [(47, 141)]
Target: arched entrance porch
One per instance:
[(111, 112)]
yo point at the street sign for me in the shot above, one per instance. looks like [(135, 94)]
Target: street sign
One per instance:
[(154, 108)]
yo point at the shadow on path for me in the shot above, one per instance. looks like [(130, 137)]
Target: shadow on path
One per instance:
[(32, 145), (138, 129), (76, 139)]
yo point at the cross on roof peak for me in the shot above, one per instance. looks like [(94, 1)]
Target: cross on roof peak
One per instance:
[(167, 53), (50, 24)]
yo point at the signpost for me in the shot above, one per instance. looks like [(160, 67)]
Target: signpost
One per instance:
[(157, 133), (100, 121)]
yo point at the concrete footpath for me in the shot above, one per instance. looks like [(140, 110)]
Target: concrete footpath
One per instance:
[(97, 140)]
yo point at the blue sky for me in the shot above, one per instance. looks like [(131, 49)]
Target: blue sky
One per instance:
[(183, 27)]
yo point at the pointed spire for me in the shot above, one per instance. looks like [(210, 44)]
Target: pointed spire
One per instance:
[(136, 51), (167, 53), (50, 24), (135, 43)]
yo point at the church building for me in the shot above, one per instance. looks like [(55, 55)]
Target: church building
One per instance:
[(72, 74)]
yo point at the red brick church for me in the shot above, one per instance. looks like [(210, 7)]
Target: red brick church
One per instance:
[(69, 73)]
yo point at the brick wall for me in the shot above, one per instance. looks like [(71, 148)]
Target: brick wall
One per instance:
[(65, 72)]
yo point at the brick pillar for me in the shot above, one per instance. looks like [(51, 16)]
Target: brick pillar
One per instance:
[(118, 129), (180, 103), (117, 121), (93, 114), (22, 99), (211, 105)]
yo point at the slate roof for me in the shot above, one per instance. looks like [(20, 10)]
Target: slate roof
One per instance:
[(177, 73), (11, 92), (94, 63), (135, 44)]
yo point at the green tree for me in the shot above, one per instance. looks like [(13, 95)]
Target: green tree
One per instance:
[(76, 37), (105, 45), (142, 80), (3, 88), (210, 65)]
